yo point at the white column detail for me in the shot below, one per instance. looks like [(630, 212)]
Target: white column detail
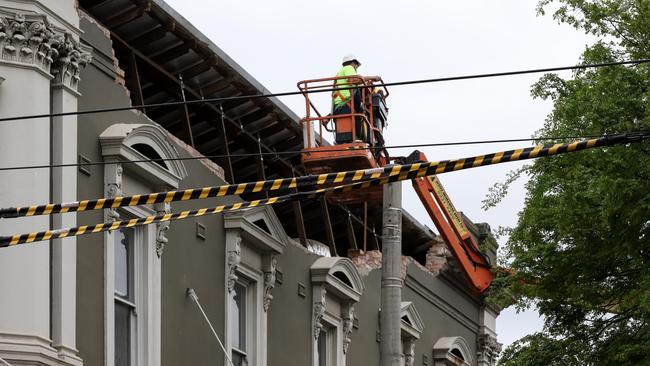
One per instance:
[(25, 64), (72, 57)]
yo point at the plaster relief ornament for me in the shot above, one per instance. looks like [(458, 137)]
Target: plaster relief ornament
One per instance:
[(30, 39), (234, 258), (269, 283), (72, 58), (114, 189), (26, 40), (319, 310), (409, 352), (161, 231), (348, 323), (488, 349)]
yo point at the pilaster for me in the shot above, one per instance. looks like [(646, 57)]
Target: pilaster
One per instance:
[(40, 60)]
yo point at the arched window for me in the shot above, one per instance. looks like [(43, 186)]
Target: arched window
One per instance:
[(336, 287), (132, 255), (452, 351)]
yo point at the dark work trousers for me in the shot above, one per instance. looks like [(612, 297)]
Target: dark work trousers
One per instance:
[(358, 123)]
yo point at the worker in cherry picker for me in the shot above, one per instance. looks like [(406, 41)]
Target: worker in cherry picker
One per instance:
[(341, 98)]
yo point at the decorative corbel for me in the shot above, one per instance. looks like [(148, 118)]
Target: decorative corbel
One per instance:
[(234, 258), (319, 310), (488, 349), (113, 174), (348, 323), (162, 227), (269, 280), (409, 352)]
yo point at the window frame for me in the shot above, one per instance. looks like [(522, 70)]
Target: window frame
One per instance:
[(142, 177), (251, 254), (336, 287), (133, 288)]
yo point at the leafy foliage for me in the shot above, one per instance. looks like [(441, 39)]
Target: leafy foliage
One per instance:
[(581, 247)]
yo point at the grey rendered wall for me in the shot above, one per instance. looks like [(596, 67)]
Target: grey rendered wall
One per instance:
[(446, 311), (289, 317), (187, 261), (192, 262), (98, 89)]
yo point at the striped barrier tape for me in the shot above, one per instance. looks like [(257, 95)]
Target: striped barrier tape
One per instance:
[(16, 239), (311, 181), (415, 171)]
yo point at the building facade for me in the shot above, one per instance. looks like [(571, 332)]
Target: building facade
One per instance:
[(272, 291)]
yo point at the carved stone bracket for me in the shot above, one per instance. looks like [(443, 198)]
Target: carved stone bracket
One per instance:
[(269, 282), (73, 57), (409, 352), (162, 228), (348, 323), (488, 349), (319, 310), (30, 39), (113, 174), (234, 258)]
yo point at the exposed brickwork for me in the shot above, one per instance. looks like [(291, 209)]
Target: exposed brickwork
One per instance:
[(436, 258), (367, 261)]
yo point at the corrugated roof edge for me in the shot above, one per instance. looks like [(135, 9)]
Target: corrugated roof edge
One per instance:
[(227, 59)]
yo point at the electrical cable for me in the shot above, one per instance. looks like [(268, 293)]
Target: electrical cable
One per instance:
[(417, 170), (310, 181), (284, 94), (435, 144)]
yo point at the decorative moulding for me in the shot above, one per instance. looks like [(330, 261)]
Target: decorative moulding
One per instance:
[(339, 276), (318, 311), (269, 281), (234, 258), (30, 39)]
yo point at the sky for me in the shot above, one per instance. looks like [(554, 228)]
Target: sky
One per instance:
[(283, 41)]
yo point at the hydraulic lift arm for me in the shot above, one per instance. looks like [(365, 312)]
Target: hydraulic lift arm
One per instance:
[(475, 265)]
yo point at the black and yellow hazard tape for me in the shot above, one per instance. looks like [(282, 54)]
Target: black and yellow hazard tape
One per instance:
[(12, 240), (397, 173), (284, 184), (312, 181)]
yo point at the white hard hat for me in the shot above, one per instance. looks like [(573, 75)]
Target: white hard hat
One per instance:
[(350, 57)]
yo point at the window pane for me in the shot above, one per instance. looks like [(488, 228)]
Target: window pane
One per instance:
[(122, 334), (322, 348), (123, 258), (238, 316), (239, 359)]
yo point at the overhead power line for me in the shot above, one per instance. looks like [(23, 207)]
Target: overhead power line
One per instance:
[(284, 94), (435, 144), (405, 171), (401, 174)]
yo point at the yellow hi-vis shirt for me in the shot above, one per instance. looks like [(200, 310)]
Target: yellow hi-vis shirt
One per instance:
[(341, 96)]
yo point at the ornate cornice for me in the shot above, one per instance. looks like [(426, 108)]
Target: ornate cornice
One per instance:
[(31, 40)]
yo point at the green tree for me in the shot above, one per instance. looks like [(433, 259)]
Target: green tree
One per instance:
[(581, 247)]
